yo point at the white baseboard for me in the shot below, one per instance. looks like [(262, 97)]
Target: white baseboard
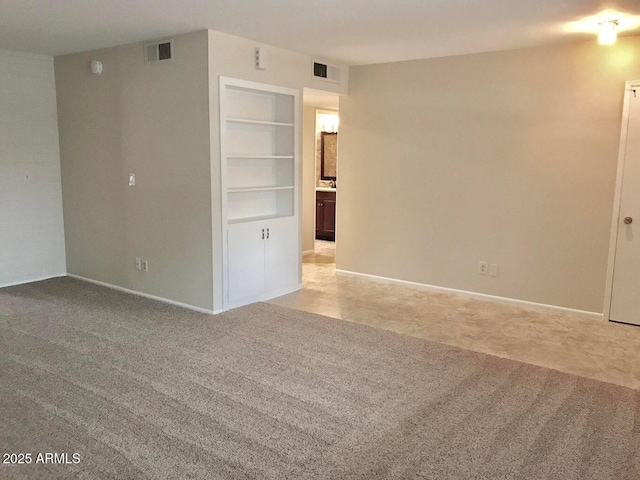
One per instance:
[(263, 297), (307, 252), (32, 280), (540, 307), (146, 295)]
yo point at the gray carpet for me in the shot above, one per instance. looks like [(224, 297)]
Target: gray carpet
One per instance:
[(142, 390)]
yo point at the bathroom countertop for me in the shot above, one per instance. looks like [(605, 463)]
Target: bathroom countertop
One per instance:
[(325, 189)]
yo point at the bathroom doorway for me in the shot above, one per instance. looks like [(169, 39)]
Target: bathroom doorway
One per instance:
[(319, 169)]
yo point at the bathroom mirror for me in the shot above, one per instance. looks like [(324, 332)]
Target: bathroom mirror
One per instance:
[(328, 155)]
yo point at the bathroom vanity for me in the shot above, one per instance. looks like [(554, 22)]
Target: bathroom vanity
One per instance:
[(326, 213)]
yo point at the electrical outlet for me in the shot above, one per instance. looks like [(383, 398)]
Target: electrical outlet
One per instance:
[(138, 264), (132, 179), (145, 266), (483, 268), (493, 269)]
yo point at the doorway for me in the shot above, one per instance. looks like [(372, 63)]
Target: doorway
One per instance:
[(623, 278), (326, 174), (319, 195)]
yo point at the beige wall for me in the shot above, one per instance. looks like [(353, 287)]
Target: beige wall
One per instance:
[(308, 177), (31, 227), (161, 122), (505, 157), (152, 120)]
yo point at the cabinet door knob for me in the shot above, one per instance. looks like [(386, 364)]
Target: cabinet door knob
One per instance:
[(628, 220)]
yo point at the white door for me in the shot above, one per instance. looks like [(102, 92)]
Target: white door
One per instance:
[(245, 248), (281, 261), (625, 291)]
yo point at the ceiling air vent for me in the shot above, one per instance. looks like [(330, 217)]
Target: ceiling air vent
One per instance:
[(330, 73), (158, 51)]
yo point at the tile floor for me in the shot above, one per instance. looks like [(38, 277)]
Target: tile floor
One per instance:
[(590, 348)]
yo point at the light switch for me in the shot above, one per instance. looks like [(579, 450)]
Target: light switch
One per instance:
[(132, 179)]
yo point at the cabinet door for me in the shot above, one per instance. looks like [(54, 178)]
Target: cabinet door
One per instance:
[(319, 217), (245, 258), (329, 217), (282, 262)]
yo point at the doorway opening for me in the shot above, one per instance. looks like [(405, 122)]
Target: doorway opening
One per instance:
[(319, 170)]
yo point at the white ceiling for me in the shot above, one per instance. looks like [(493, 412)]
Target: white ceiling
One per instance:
[(353, 32)]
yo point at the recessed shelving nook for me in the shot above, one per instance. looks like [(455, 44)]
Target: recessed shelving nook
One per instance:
[(258, 141), (259, 151)]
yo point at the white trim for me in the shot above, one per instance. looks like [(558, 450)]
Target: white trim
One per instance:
[(222, 128), (615, 217), (307, 252), (39, 279), (264, 296), (297, 169), (541, 307), (145, 295)]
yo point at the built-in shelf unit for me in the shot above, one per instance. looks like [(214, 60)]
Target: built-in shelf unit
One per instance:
[(260, 169)]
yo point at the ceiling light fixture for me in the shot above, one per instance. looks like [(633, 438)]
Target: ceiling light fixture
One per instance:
[(608, 32)]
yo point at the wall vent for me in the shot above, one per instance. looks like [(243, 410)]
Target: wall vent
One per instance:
[(161, 51), (323, 71)]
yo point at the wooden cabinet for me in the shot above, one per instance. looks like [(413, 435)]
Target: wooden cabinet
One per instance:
[(326, 215), (260, 191)]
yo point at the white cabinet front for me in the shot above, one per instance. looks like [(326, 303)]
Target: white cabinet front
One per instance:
[(246, 261), (281, 261), (262, 260)]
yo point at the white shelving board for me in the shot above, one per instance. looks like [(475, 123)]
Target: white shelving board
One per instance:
[(258, 122)]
